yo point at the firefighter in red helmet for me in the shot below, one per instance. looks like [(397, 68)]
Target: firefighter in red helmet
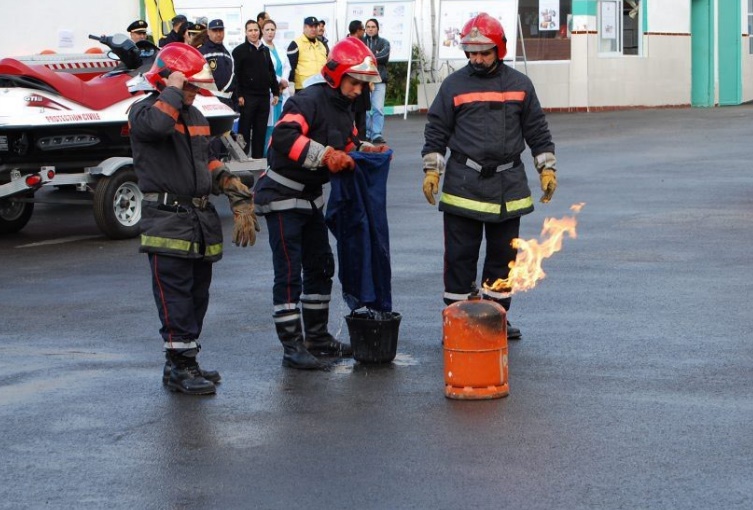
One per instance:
[(312, 138), (180, 228), (485, 113)]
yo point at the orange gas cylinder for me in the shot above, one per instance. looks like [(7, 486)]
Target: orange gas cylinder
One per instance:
[(475, 350)]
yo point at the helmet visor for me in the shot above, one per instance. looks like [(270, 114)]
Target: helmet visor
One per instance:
[(205, 81), (476, 41), (365, 71)]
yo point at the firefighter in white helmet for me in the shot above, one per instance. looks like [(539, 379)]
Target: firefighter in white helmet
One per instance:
[(484, 113)]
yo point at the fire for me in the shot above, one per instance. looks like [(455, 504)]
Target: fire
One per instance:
[(526, 270)]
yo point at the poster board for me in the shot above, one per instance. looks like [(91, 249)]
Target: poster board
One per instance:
[(453, 14), (289, 20), (395, 19), (235, 33)]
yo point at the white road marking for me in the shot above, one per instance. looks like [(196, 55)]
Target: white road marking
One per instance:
[(58, 241)]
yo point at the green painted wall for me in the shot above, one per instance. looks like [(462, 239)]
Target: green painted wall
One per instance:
[(702, 52), (584, 7), (730, 53)]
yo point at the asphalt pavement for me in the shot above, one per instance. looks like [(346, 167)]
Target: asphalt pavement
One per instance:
[(631, 387)]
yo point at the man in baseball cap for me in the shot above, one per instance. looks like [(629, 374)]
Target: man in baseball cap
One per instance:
[(306, 53), (216, 24)]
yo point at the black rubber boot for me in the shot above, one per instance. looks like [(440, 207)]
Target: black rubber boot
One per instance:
[(295, 354), (512, 332), (318, 340), (185, 376), (209, 375)]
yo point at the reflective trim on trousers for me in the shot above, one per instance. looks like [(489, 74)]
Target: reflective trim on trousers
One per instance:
[(285, 307), (316, 297), (291, 203), (456, 297), (288, 317), (181, 345), (495, 295), (315, 306)]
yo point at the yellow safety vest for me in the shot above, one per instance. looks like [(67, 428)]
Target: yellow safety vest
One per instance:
[(311, 58)]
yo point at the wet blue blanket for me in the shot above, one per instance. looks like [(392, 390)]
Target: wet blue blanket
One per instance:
[(357, 217)]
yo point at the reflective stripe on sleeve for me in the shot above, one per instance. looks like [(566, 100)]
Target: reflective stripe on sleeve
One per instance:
[(167, 109), (296, 118), (298, 147), (193, 130)]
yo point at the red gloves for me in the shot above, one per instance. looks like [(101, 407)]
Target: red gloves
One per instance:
[(374, 148), (337, 161)]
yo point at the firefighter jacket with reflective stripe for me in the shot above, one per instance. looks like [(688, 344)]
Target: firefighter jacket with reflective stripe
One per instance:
[(487, 118), (307, 58), (170, 145), (317, 117)]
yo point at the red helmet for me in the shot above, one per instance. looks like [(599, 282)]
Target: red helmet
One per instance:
[(484, 33), (186, 59), (352, 57)]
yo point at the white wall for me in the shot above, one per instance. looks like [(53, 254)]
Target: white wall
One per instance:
[(669, 16), (28, 31)]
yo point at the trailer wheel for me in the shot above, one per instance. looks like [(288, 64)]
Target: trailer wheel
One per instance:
[(117, 204), (14, 215)]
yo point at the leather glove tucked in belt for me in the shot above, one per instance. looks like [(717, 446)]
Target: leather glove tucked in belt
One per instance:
[(232, 187), (246, 225), (337, 161), (546, 165)]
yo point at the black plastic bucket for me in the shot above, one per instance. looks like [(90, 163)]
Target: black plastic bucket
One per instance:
[(373, 340)]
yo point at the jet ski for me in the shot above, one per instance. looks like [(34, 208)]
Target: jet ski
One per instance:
[(51, 118), (58, 130)]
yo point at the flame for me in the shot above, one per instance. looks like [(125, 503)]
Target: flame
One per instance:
[(525, 270)]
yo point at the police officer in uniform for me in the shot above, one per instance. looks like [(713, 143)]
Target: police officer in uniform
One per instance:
[(220, 61), (137, 29), (311, 139), (181, 230), (484, 113)]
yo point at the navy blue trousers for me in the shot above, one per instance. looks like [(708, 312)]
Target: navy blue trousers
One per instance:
[(462, 242), (181, 292), (302, 258)]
